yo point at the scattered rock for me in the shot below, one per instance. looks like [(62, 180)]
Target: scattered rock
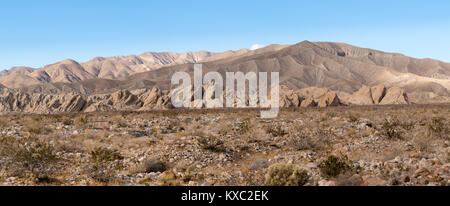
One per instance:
[(259, 164)]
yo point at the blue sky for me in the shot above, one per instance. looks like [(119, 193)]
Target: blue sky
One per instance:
[(36, 33)]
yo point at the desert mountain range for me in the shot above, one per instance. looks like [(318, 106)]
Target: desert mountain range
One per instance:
[(354, 74)]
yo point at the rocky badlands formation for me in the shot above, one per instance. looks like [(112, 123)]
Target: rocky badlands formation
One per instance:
[(156, 99)]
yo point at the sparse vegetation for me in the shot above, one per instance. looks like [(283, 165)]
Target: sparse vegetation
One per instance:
[(391, 129), (81, 121), (216, 147), (168, 179), (334, 166), (28, 156), (304, 142), (437, 128), (275, 131), (211, 143), (353, 118), (242, 127), (104, 164), (67, 121)]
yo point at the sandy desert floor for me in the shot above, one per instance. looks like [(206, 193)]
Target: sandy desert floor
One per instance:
[(367, 145)]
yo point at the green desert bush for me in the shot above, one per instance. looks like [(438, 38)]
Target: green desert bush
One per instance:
[(286, 175), (334, 166)]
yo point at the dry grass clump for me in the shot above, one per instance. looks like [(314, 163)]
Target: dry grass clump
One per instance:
[(67, 121), (168, 179), (275, 130), (305, 142), (334, 166), (434, 130), (353, 118), (3, 123), (281, 174), (36, 127), (81, 120), (422, 142), (242, 127), (391, 129), (211, 143), (104, 164), (438, 128)]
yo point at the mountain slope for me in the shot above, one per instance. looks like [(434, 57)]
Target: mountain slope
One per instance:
[(340, 67), (70, 71)]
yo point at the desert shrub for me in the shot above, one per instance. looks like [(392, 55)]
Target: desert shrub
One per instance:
[(407, 125), (67, 121), (28, 156), (332, 114), (334, 166), (304, 142), (275, 131), (3, 123), (252, 177), (35, 128), (315, 141), (168, 178), (82, 120), (242, 127), (437, 128), (324, 134), (211, 143), (353, 118), (119, 121), (286, 175), (189, 175), (100, 154), (391, 129), (423, 142), (104, 164)]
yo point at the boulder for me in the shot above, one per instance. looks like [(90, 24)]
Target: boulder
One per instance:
[(152, 97), (395, 95), (322, 96), (329, 99), (288, 98), (308, 103), (124, 97), (362, 97)]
